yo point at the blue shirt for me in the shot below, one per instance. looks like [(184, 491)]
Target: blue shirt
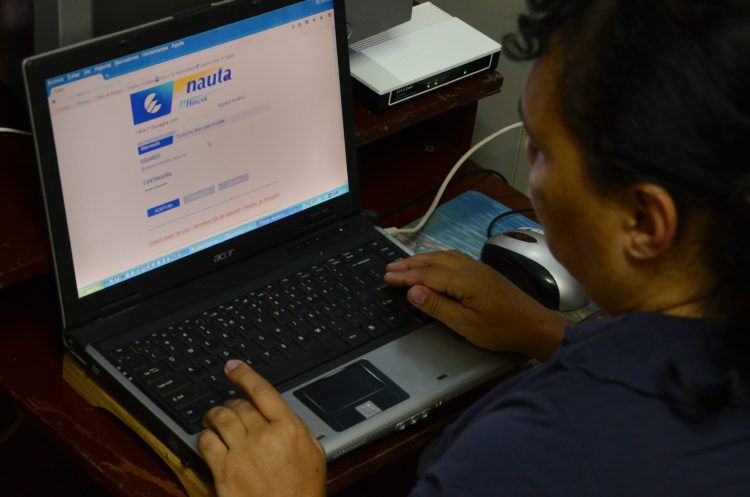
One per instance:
[(610, 416)]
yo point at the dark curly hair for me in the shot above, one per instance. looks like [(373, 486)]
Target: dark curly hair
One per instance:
[(660, 92)]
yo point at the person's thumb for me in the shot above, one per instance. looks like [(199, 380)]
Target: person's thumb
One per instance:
[(435, 304)]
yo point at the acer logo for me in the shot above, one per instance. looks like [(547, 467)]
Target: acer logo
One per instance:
[(222, 256)]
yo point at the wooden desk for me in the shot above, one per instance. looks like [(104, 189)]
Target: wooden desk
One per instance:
[(393, 168)]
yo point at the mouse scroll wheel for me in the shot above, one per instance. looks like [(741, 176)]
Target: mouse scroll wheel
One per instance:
[(521, 236)]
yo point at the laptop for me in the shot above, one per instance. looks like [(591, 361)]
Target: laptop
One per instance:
[(202, 199)]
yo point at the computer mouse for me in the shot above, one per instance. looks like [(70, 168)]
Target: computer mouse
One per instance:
[(522, 256)]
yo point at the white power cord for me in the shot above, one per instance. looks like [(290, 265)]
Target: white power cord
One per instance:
[(16, 131), (448, 178)]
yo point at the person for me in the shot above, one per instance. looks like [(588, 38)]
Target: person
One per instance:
[(638, 117)]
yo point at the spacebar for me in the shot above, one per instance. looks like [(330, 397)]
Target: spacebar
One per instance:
[(289, 370)]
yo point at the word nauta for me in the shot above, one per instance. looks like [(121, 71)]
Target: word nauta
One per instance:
[(203, 82)]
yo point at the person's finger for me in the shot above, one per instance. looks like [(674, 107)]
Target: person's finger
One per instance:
[(226, 423), (442, 308), (412, 262), (448, 282), (409, 277), (212, 449), (448, 259), (263, 395), (247, 413), (319, 445)]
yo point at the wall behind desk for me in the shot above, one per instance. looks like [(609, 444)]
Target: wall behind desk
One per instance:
[(506, 154)]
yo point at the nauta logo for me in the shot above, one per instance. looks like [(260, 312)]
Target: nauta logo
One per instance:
[(151, 104), (203, 82)]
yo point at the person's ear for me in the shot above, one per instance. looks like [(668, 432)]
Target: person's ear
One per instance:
[(651, 223)]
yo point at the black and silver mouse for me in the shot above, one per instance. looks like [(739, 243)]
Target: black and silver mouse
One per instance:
[(522, 256)]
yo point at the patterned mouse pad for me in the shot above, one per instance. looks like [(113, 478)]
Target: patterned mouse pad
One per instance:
[(461, 224)]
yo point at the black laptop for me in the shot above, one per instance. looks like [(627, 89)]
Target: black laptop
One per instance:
[(201, 190)]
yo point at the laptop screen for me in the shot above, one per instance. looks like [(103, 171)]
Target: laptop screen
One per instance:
[(173, 149)]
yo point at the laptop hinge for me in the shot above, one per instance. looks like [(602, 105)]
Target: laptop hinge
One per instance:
[(120, 305)]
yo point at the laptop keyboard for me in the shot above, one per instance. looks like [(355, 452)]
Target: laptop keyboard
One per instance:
[(282, 330)]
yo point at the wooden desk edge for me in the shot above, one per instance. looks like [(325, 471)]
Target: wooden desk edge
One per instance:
[(75, 375)]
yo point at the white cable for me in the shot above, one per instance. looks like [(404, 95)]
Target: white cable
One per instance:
[(16, 131), (426, 217)]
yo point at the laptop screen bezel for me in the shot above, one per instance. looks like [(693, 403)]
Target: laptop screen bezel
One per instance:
[(79, 310)]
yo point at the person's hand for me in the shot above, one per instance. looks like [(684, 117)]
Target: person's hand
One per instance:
[(477, 302), (260, 447)]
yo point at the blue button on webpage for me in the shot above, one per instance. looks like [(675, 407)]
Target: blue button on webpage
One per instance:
[(164, 207), (155, 145)]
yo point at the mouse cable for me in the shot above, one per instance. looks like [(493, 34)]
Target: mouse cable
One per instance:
[(15, 131), (434, 188), (504, 215), (464, 158)]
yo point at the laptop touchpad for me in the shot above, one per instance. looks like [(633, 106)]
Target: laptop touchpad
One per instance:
[(351, 395)]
